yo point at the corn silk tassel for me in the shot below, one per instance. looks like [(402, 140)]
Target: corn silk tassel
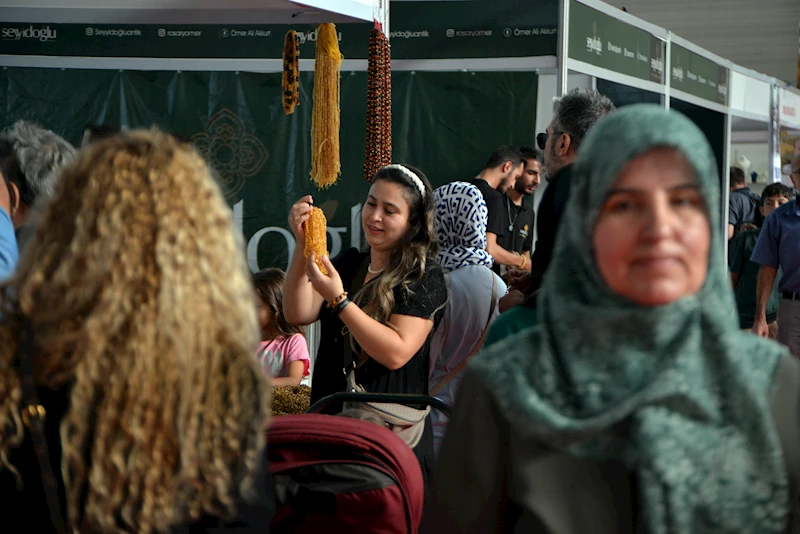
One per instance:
[(325, 117), (378, 151)]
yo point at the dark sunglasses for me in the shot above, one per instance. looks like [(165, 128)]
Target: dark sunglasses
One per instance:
[(541, 139)]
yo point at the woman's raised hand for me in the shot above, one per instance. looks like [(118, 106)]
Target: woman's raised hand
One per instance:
[(329, 287), (298, 215)]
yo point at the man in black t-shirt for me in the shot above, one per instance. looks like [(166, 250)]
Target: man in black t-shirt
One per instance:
[(744, 205), (501, 172), (519, 208)]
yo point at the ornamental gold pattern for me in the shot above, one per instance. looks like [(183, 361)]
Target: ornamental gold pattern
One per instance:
[(290, 84), (316, 229), (326, 115), (378, 151)]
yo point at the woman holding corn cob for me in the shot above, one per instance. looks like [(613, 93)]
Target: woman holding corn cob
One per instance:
[(388, 299)]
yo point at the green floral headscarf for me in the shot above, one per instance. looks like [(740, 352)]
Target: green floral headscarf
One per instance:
[(677, 393)]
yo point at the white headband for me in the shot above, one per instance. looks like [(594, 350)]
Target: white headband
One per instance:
[(410, 175)]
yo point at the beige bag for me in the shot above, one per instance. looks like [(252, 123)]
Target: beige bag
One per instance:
[(408, 423)]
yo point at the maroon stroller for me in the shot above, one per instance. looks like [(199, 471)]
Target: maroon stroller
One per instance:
[(339, 475)]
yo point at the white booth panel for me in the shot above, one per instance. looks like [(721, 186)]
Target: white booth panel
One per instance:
[(790, 109), (749, 95)]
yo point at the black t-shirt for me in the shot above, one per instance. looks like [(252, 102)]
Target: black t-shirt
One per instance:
[(520, 218), (494, 205), (743, 208), (551, 209), (422, 299)]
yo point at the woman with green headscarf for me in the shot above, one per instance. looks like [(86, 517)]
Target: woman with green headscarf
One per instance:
[(635, 404)]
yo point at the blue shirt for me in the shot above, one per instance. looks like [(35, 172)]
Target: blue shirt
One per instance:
[(779, 245), (9, 254)]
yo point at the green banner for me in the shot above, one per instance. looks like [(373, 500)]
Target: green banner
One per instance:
[(447, 124), (441, 30), (607, 42), (698, 76), (419, 30)]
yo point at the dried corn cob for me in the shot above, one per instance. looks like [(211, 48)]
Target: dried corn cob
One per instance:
[(325, 116), (379, 105), (317, 237), (291, 72)]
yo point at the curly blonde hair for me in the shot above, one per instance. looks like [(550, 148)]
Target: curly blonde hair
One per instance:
[(137, 289)]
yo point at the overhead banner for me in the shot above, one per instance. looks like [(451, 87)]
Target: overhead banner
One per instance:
[(419, 30), (607, 42), (698, 75), (447, 124)]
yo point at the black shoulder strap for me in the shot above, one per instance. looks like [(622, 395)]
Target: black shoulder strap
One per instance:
[(355, 287), (33, 415)]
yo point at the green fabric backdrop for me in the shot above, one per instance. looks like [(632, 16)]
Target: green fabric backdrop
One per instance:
[(444, 123)]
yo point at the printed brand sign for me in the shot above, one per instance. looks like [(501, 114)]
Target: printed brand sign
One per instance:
[(698, 75), (420, 30), (607, 42)]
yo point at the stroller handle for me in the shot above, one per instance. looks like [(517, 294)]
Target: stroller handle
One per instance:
[(394, 398)]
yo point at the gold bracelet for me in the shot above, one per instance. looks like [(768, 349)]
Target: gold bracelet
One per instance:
[(337, 300), (524, 260)]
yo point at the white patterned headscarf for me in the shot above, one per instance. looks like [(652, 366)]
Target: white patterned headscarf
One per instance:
[(460, 223)]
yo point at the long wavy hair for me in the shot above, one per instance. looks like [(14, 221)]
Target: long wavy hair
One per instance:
[(412, 254), (141, 303)]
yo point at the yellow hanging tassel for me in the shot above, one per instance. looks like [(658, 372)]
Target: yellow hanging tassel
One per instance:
[(325, 117), (291, 72)]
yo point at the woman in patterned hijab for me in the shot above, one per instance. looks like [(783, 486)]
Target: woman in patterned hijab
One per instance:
[(460, 224), (636, 404)]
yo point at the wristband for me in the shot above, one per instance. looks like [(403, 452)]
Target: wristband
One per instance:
[(341, 305), (524, 260), (335, 302)]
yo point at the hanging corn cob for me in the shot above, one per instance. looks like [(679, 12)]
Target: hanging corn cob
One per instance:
[(378, 151), (291, 72), (325, 117), (316, 228)]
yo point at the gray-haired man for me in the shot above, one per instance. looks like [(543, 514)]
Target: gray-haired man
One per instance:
[(40, 154), (573, 116)]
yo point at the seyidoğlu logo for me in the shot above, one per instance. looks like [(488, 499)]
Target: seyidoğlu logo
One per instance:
[(43, 34)]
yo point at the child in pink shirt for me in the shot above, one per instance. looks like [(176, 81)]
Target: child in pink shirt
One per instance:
[(283, 351)]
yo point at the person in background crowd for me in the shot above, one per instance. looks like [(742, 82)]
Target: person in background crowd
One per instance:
[(573, 116), (383, 304), (519, 213), (505, 165), (40, 155), (460, 224), (656, 414), (744, 206), (136, 293), (283, 352), (744, 273), (777, 247)]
